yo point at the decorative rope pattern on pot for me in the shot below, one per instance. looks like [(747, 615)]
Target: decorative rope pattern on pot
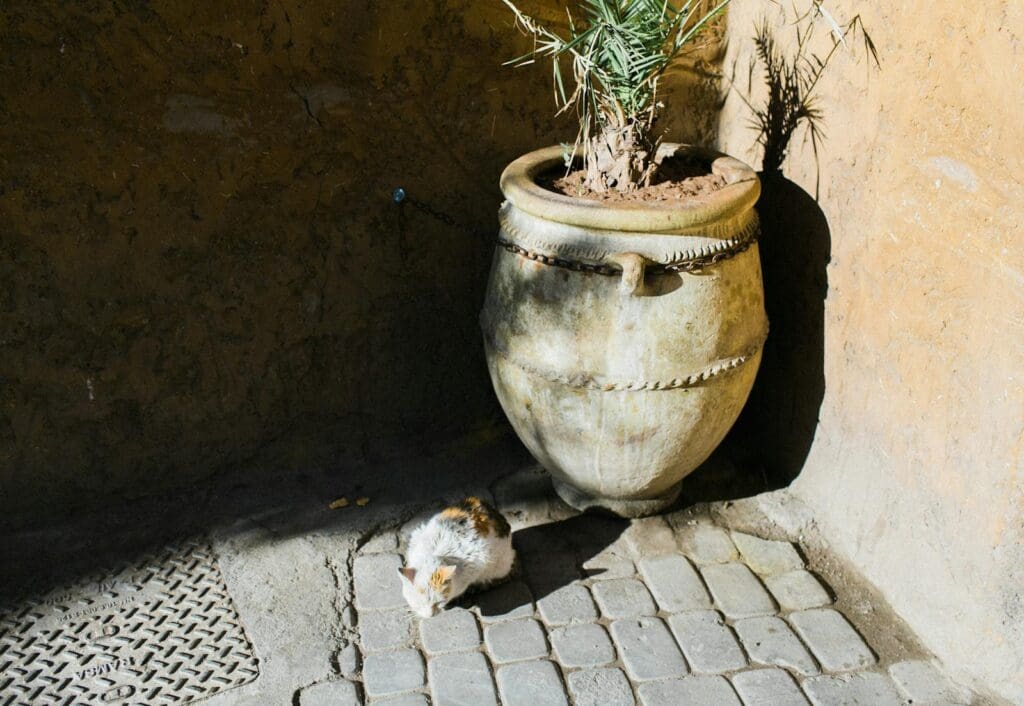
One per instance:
[(606, 384), (690, 261)]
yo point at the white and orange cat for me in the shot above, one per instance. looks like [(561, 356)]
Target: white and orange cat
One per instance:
[(467, 544)]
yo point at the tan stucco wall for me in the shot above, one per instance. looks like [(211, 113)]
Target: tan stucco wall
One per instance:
[(916, 467), (201, 269)]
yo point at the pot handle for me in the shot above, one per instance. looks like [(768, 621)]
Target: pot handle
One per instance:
[(633, 266)]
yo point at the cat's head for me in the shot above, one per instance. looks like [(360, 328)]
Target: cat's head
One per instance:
[(427, 593)]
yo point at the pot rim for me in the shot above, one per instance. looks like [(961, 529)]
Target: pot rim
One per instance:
[(742, 189)]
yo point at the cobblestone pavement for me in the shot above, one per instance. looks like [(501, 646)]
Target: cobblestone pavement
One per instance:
[(607, 612), (683, 609)]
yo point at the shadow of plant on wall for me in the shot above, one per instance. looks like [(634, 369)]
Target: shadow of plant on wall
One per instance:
[(776, 429)]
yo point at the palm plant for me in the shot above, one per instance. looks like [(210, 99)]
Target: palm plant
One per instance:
[(618, 54)]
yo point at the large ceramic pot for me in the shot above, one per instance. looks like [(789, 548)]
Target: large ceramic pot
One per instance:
[(623, 340)]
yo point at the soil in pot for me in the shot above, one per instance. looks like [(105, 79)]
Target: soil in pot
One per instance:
[(677, 179)]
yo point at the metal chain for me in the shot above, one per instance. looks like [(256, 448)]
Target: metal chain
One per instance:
[(693, 264)]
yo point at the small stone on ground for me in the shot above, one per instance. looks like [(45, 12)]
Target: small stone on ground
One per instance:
[(691, 691), (798, 590), (462, 678), (388, 673), (922, 683), (768, 687), (515, 641), (569, 604), (737, 592), (377, 584), (623, 598), (867, 689), (707, 642), (675, 583), (767, 557), (454, 630), (770, 641), (832, 639), (707, 544), (531, 684), (600, 687), (647, 649), (582, 646)]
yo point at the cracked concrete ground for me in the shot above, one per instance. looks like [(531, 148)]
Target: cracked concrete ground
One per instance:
[(701, 605)]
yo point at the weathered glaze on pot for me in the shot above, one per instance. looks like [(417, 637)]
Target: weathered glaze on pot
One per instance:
[(619, 375)]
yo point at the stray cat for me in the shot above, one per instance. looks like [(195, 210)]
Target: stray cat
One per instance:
[(469, 543)]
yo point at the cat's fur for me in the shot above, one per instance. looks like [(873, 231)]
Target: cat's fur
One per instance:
[(469, 543)]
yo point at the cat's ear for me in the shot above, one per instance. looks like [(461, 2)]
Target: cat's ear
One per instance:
[(445, 573), (407, 573)]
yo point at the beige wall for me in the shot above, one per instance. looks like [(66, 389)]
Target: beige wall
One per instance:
[(916, 466)]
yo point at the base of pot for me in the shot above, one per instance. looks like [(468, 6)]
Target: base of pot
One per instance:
[(576, 498)]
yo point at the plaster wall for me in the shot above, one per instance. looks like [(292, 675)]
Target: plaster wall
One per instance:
[(916, 464), (201, 268)]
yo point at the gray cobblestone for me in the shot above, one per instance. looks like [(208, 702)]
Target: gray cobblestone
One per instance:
[(515, 641), (798, 590), (452, 631), (377, 584), (387, 630), (770, 641), (531, 684), (675, 583), (609, 566), (867, 689), (582, 646), (922, 683), (832, 639), (768, 687), (403, 700), (765, 556), (569, 604), (737, 592), (650, 536), (507, 601), (331, 693), (347, 661), (623, 598), (707, 642), (388, 673), (691, 691), (600, 687), (461, 678), (647, 649), (707, 544)]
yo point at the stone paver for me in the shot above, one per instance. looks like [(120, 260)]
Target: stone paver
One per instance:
[(765, 556), (506, 601), (650, 536), (377, 584), (608, 566), (454, 630), (600, 687), (707, 642), (461, 678), (798, 590), (331, 693), (386, 630), (347, 661), (647, 649), (675, 583), (582, 646), (531, 684), (922, 683), (569, 604), (691, 691), (381, 543), (515, 641), (867, 689), (623, 598), (770, 641), (737, 592), (832, 639), (768, 687), (388, 673), (403, 700), (707, 544)]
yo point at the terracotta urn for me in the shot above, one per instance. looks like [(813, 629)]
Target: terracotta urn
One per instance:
[(623, 340)]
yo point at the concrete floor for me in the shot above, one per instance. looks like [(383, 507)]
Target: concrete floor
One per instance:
[(266, 596)]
